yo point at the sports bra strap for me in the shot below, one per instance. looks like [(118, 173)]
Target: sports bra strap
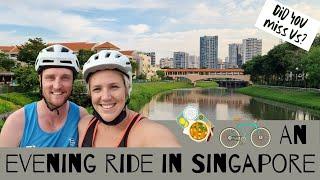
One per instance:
[(123, 142), (88, 138)]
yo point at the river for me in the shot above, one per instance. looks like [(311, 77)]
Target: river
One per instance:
[(223, 104)]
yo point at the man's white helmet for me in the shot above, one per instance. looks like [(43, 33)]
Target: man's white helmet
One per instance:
[(57, 56), (108, 59)]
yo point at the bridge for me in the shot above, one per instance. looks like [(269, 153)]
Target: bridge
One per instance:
[(201, 74)]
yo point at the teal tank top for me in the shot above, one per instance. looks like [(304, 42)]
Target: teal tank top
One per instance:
[(34, 136)]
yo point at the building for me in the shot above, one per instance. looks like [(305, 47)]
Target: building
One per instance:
[(145, 66), (251, 47), (180, 60), (208, 51), (193, 61), (153, 58), (166, 63), (222, 64), (234, 60), (13, 51), (240, 59), (135, 60), (77, 46), (143, 63)]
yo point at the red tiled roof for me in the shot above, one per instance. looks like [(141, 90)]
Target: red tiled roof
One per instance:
[(106, 45), (6, 48), (203, 70), (76, 46), (127, 53), (15, 50)]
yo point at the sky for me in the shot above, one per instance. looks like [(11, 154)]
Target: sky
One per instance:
[(162, 26)]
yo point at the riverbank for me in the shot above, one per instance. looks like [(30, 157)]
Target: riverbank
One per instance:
[(303, 99), (207, 84), (143, 92)]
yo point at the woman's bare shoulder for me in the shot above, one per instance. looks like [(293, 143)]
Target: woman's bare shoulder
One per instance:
[(152, 134)]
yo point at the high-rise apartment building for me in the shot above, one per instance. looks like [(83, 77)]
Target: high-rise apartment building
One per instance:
[(251, 47), (153, 58), (180, 60), (234, 60), (208, 51)]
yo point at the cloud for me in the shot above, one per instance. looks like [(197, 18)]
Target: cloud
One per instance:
[(92, 4), (189, 41), (179, 29), (310, 10), (139, 28), (105, 19), (12, 38), (66, 26)]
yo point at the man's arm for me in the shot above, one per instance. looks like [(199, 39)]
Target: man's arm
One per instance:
[(12, 130)]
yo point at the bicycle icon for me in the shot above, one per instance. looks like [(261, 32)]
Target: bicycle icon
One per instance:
[(230, 137)]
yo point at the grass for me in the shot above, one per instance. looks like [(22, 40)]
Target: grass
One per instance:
[(19, 98), (1, 123), (143, 92), (304, 99), (6, 106)]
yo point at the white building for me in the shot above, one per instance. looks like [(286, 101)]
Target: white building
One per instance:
[(251, 47), (193, 62), (166, 63)]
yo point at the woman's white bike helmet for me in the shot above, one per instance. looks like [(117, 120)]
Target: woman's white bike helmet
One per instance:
[(57, 56), (108, 59)]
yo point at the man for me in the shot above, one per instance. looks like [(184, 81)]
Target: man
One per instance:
[(52, 121)]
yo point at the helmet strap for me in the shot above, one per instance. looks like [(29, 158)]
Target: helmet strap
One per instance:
[(117, 120)]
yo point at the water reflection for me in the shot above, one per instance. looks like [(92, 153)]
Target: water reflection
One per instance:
[(223, 104)]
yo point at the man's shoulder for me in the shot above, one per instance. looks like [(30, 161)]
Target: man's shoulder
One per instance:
[(82, 110), (18, 114)]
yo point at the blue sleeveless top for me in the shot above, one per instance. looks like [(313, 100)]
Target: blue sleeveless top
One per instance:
[(34, 136)]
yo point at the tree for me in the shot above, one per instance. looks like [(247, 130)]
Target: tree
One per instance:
[(84, 55), (79, 94), (312, 66), (5, 62), (134, 66), (142, 76), (27, 78), (316, 41), (160, 74), (29, 51)]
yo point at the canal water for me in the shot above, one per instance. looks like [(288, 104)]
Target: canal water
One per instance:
[(223, 104)]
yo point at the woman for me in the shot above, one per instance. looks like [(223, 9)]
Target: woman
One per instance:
[(108, 75)]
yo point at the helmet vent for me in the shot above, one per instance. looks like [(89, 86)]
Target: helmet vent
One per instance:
[(96, 57), (50, 49), (66, 62), (128, 63), (107, 55), (64, 49), (47, 61), (117, 56)]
